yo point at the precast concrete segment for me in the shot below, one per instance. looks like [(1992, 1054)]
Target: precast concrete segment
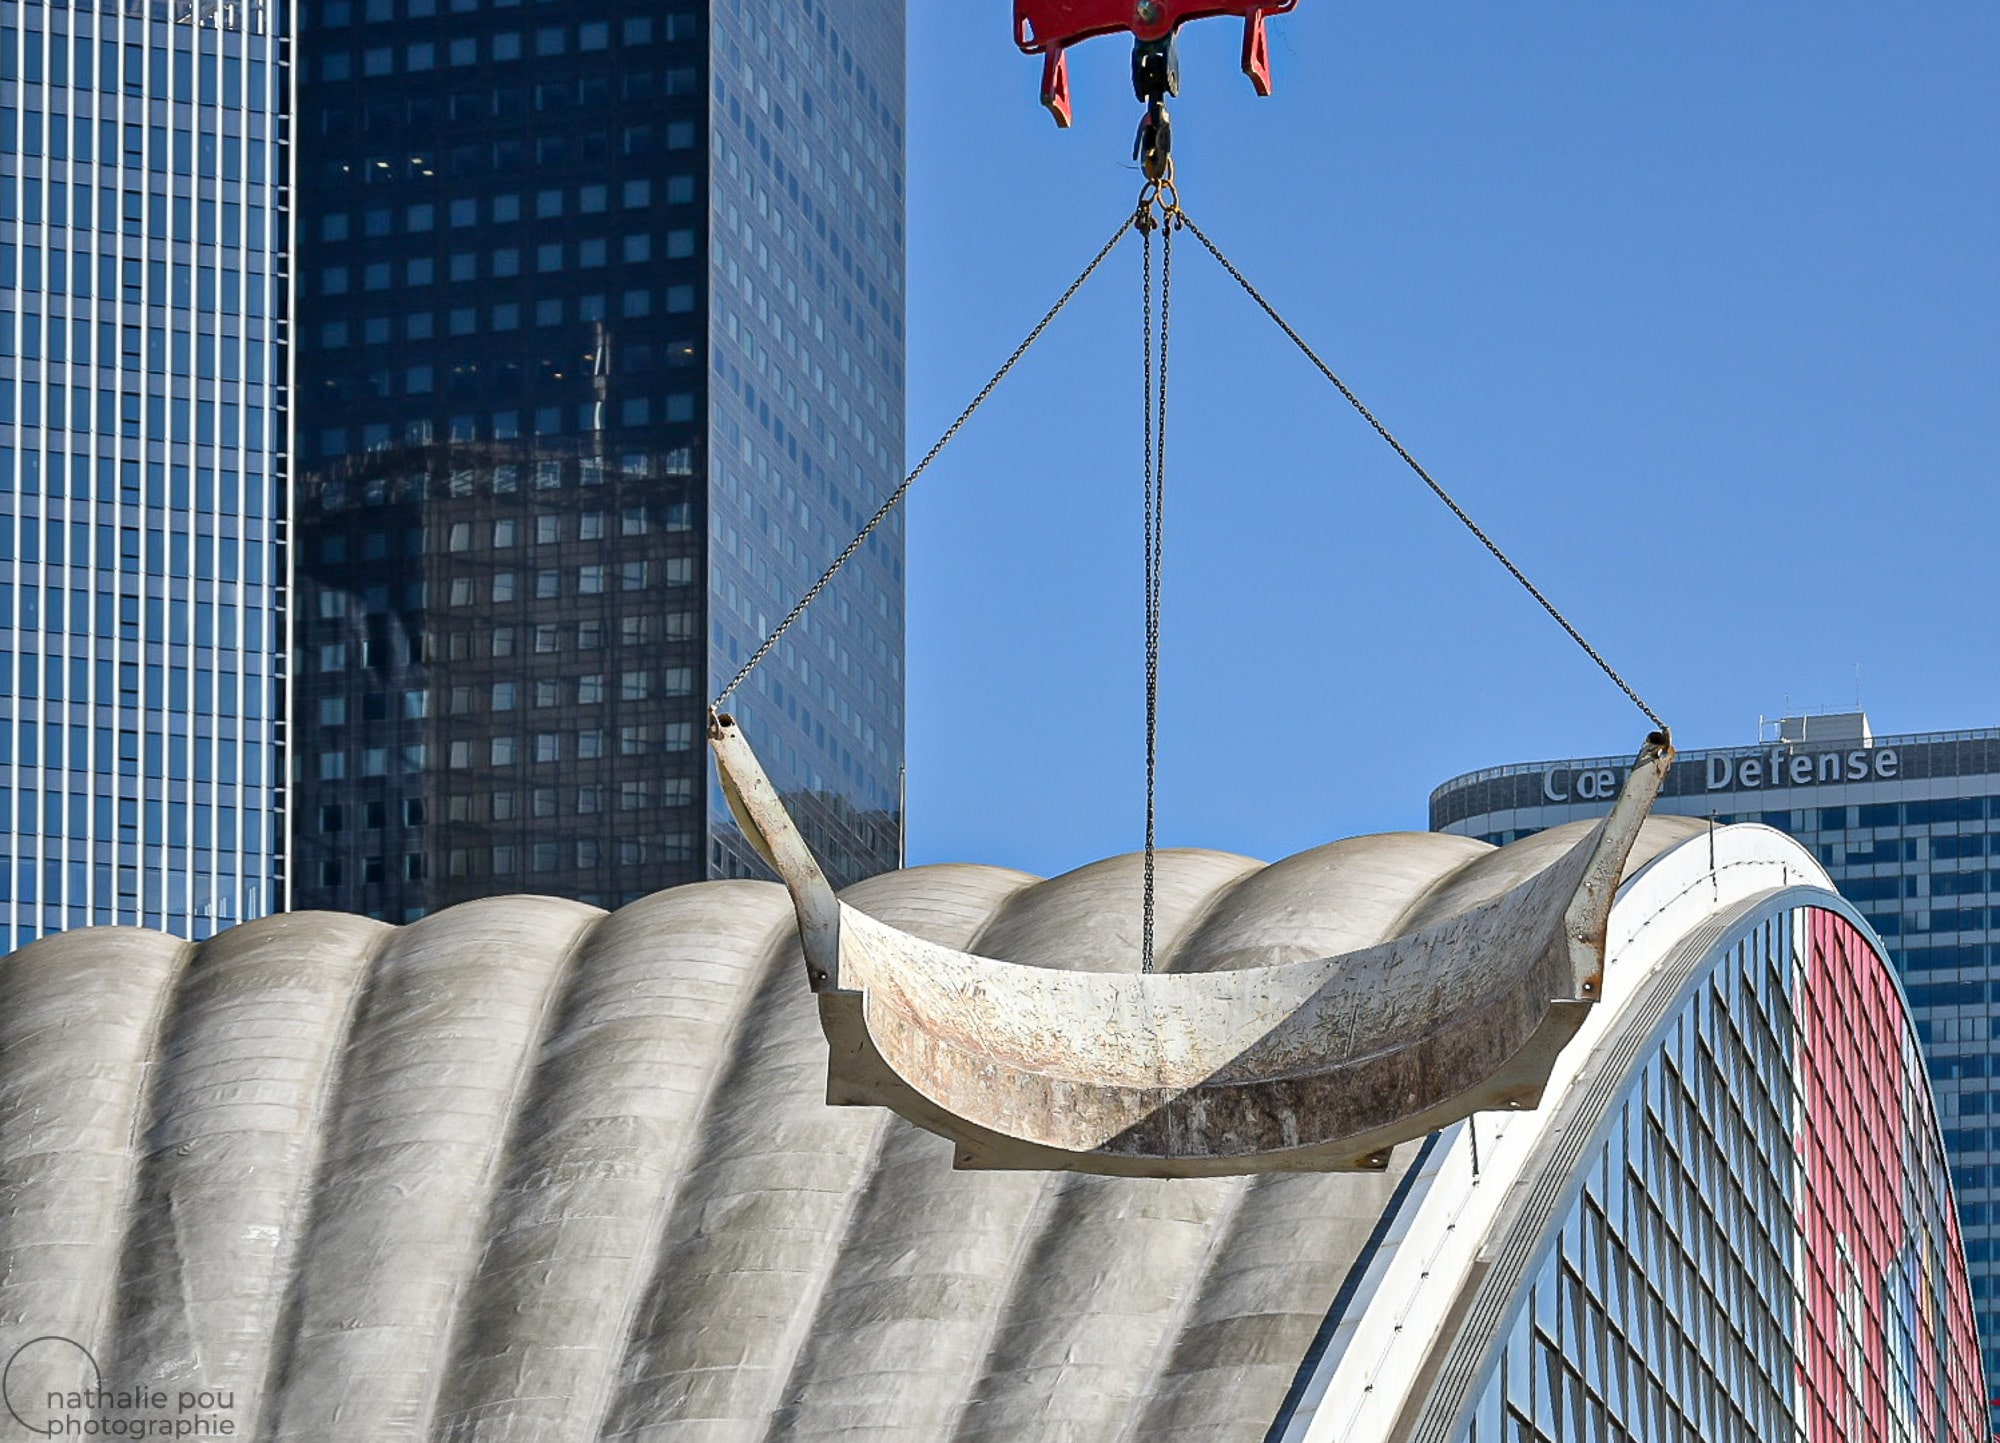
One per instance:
[(1338, 898), (1089, 920), (229, 1137), (431, 1081), (926, 1256), (79, 1035), (1282, 1058), (599, 1145), (1093, 1305), (1262, 1299), (756, 1225)]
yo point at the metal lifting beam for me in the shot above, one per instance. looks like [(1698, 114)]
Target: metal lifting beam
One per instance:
[(1049, 27)]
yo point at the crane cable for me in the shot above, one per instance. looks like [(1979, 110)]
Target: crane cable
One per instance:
[(1423, 475), (1159, 209), (896, 496)]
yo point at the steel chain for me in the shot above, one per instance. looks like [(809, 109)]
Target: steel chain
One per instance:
[(1156, 531), (896, 496), (1423, 475)]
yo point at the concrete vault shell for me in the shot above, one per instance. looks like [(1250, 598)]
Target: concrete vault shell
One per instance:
[(525, 1170)]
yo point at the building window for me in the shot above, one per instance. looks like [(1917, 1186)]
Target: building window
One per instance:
[(547, 747), (505, 751), (589, 690)]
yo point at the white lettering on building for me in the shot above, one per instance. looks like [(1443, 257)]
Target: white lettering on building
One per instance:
[(1599, 784), (1724, 773), (1777, 769)]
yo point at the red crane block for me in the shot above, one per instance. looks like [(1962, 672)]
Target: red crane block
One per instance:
[(1049, 27)]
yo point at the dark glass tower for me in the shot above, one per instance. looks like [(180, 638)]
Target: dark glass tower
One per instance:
[(600, 361)]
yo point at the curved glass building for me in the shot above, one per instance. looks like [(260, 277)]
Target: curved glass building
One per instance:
[(1735, 1221), (1905, 826)]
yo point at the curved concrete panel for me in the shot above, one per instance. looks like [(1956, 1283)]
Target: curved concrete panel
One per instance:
[(1254, 1051)]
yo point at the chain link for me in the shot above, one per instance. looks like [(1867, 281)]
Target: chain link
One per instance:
[(896, 496), (1155, 540), (1423, 475)]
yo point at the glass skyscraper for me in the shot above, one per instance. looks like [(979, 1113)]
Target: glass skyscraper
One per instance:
[(143, 432), (600, 362)]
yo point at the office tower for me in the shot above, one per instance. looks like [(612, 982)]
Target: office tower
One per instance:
[(1908, 827), (601, 364), (143, 285)]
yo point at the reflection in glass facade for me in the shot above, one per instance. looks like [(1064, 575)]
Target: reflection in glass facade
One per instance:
[(601, 363), (1907, 826), (806, 409), (143, 427), (1757, 1240)]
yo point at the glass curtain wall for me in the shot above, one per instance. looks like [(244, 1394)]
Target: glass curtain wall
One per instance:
[(143, 470)]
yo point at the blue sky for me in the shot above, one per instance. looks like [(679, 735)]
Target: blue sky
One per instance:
[(1694, 307)]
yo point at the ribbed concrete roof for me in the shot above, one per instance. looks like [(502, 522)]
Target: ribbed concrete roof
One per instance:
[(527, 1171)]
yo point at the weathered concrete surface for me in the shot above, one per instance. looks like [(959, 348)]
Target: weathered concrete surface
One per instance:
[(1308, 1016), (523, 1171)]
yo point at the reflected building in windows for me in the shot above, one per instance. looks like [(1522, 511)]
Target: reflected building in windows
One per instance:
[(143, 464), (601, 362)]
